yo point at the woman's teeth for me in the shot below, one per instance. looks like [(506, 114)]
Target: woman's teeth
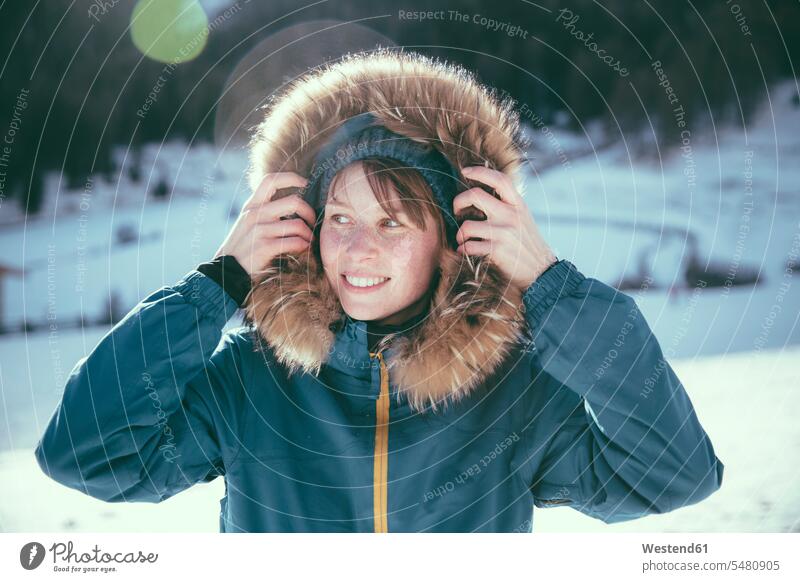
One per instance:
[(364, 282)]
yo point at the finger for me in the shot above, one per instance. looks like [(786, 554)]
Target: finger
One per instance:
[(502, 183), (289, 244), (475, 248), (474, 229), (481, 199), (274, 246), (285, 228), (273, 210), (298, 207), (274, 182)]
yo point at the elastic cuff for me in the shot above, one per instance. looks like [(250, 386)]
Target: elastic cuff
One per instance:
[(560, 279), (229, 274), (202, 292)]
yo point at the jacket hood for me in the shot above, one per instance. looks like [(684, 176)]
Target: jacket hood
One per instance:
[(475, 315)]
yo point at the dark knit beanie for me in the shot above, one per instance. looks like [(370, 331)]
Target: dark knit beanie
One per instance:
[(362, 137)]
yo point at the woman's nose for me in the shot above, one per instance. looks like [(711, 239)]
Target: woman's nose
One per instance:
[(362, 243)]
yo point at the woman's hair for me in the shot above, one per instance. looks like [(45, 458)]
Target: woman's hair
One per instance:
[(387, 176)]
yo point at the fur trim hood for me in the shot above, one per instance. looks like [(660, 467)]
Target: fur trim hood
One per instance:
[(475, 316)]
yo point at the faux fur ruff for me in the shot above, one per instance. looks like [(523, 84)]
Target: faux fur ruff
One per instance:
[(475, 314)]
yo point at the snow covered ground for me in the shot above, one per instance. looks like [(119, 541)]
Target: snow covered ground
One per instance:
[(732, 200)]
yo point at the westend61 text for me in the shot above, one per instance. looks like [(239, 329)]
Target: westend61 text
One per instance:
[(671, 549)]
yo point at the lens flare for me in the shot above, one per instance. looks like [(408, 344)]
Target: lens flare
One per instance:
[(169, 31)]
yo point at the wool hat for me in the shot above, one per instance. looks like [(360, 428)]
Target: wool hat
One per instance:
[(363, 137)]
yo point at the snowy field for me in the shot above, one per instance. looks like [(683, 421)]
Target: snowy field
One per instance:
[(731, 201)]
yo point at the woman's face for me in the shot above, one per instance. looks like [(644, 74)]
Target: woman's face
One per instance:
[(380, 268)]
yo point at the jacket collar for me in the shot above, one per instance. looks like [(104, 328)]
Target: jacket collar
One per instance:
[(472, 324)]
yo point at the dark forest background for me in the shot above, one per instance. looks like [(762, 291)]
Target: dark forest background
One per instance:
[(86, 79)]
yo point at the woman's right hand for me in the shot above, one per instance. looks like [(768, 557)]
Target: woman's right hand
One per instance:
[(259, 234)]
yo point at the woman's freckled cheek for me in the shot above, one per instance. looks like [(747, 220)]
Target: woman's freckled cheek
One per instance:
[(402, 251), (330, 242)]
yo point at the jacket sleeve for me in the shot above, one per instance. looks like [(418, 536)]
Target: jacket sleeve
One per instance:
[(616, 434), (137, 418)]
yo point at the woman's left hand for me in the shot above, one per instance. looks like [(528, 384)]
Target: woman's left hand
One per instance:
[(509, 234)]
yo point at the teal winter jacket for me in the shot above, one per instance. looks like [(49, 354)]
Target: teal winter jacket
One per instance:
[(585, 414)]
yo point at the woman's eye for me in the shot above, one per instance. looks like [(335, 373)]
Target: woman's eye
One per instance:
[(342, 219)]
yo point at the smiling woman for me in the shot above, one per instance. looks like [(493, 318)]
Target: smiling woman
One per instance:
[(476, 406)]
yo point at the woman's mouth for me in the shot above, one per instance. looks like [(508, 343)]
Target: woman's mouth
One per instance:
[(363, 284)]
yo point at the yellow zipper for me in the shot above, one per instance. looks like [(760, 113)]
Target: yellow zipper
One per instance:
[(381, 458)]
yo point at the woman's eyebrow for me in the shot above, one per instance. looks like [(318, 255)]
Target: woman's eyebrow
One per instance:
[(399, 212), (339, 204)]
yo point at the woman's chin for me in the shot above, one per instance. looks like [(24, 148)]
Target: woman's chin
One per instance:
[(365, 312)]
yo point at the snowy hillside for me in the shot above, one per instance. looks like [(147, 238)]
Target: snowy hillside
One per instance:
[(615, 218)]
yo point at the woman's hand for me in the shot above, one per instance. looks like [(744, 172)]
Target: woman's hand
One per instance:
[(259, 234), (509, 235)]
